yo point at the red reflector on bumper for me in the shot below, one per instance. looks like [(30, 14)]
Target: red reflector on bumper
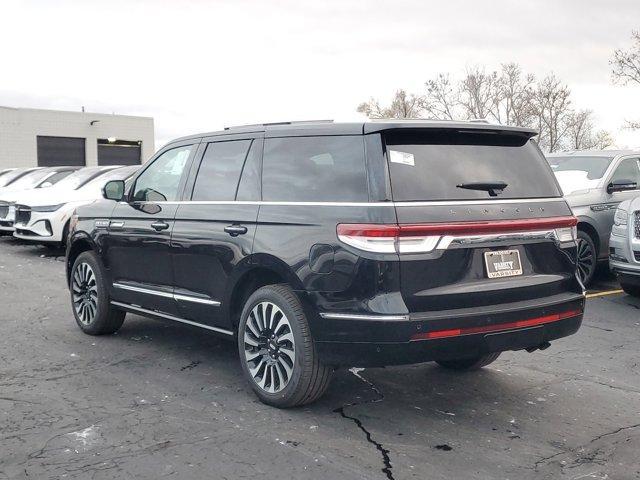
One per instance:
[(530, 322)]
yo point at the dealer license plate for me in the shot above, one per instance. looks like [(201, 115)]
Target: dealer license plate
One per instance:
[(503, 263)]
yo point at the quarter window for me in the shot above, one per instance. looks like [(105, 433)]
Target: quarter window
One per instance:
[(160, 181), (314, 169), (220, 170)]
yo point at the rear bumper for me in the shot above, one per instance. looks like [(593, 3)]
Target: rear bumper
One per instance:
[(439, 336)]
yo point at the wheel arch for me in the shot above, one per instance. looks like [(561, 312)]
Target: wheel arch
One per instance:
[(260, 271), (586, 227), (78, 243)]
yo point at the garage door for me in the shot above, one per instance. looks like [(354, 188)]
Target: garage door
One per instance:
[(57, 151), (118, 153)]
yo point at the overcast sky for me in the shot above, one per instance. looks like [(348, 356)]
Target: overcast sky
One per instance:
[(200, 65)]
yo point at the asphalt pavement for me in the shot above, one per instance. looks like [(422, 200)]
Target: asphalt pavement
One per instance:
[(159, 400)]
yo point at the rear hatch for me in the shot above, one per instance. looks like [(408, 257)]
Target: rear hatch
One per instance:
[(482, 221)]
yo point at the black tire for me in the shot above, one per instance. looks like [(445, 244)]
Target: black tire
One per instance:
[(308, 378), (467, 364), (89, 287), (633, 290), (587, 258)]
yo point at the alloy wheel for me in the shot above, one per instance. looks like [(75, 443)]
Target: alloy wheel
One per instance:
[(85, 293), (269, 347), (586, 260)]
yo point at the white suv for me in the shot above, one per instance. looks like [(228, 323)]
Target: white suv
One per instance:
[(43, 216)]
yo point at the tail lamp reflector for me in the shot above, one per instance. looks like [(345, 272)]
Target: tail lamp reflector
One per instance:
[(530, 322)]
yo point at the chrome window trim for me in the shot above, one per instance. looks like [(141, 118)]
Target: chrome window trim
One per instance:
[(170, 317), (356, 316), (161, 293), (361, 204)]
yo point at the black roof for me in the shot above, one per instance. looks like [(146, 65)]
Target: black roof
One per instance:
[(328, 127)]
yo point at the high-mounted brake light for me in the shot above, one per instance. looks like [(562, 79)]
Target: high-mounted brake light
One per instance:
[(423, 238)]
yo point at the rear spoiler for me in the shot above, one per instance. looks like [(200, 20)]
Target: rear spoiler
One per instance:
[(463, 127)]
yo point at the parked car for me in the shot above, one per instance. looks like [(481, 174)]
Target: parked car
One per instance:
[(624, 246), (6, 170), (594, 182), (43, 216), (36, 179), (321, 245), (14, 175)]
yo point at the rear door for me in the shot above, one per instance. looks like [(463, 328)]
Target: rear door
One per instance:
[(469, 243), (138, 246), (215, 226)]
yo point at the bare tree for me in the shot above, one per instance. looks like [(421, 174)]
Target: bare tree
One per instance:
[(552, 103), (441, 99), (581, 134), (403, 105), (517, 90), (479, 93), (507, 96), (626, 63), (626, 68)]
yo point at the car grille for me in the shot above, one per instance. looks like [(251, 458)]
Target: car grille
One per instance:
[(4, 211), (636, 224), (23, 214)]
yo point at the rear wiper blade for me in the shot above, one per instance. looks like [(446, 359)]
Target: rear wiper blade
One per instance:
[(494, 188)]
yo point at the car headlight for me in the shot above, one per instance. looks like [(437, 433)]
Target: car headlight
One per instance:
[(47, 208), (621, 217)]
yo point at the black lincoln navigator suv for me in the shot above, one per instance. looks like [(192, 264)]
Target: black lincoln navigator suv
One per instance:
[(317, 245)]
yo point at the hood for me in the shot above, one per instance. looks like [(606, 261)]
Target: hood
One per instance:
[(573, 181), (51, 196), (633, 206), (10, 195)]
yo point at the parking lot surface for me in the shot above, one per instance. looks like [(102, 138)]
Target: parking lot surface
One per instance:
[(160, 400)]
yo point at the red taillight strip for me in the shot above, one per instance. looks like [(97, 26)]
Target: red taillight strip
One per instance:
[(456, 228), (530, 322)]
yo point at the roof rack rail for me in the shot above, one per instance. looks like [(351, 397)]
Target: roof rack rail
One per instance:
[(271, 124)]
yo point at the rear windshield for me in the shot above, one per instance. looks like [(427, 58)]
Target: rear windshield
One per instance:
[(437, 165)]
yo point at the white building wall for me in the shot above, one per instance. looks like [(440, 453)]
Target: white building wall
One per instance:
[(19, 128)]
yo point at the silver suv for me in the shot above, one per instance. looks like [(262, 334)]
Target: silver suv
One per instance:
[(624, 246), (594, 183)]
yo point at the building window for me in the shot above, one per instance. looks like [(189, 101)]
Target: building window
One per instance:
[(59, 151), (113, 151)]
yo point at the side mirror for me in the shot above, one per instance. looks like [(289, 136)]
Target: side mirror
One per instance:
[(113, 190), (621, 185)]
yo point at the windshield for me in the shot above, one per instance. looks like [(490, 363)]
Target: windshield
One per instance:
[(80, 178), (118, 174), (13, 176), (30, 180), (594, 167), (463, 165)]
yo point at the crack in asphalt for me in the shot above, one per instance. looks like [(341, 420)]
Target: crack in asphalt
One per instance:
[(193, 364), (341, 410), (583, 447)]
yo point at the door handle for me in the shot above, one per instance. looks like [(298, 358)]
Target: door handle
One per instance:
[(235, 230), (157, 226)]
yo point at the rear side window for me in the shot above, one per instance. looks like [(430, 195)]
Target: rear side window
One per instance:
[(314, 169), (220, 170), (434, 165)]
